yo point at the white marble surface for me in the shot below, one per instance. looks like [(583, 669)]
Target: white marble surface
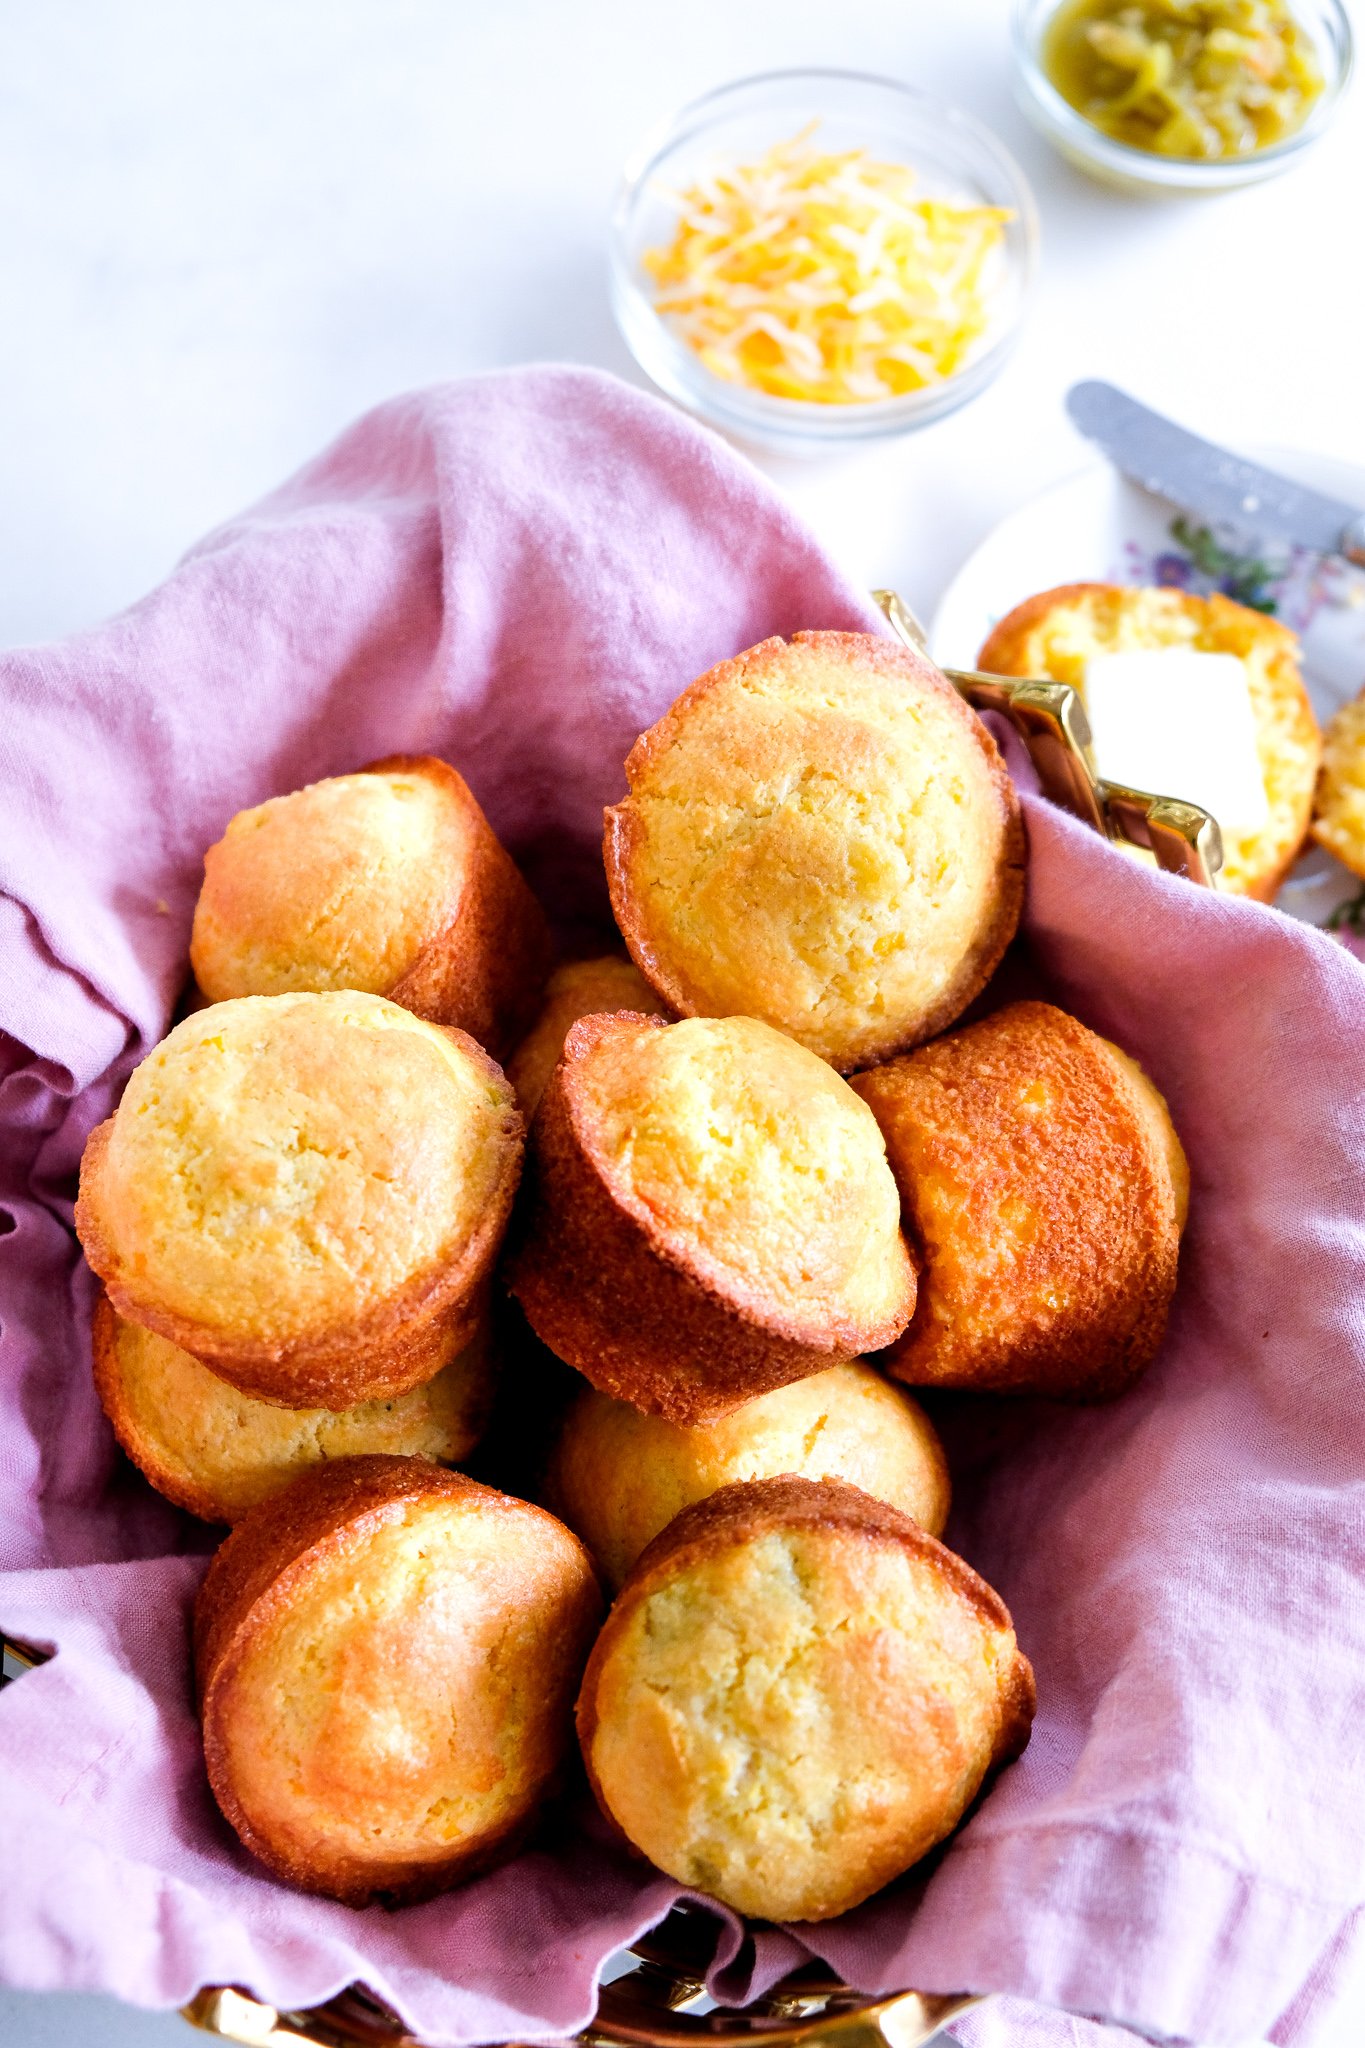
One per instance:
[(226, 229)]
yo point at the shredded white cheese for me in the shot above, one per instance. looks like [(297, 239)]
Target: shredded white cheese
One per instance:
[(821, 275)]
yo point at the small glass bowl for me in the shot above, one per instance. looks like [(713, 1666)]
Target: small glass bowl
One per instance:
[(1139, 170), (955, 158)]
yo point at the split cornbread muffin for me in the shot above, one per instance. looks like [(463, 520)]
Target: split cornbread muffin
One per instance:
[(305, 1192), (390, 881), (1045, 1191), (1056, 633), (710, 1215), (387, 1655), (580, 988), (217, 1452), (1339, 807), (820, 834), (618, 1476), (797, 1693)]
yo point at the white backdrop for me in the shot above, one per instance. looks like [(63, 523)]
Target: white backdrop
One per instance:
[(227, 227)]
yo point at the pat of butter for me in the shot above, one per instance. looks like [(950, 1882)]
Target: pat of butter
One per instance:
[(1178, 723)]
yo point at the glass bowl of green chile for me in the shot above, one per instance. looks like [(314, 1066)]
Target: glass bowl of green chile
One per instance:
[(1182, 96)]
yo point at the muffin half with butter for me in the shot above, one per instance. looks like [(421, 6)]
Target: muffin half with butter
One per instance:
[(387, 1655), (797, 1694), (390, 881), (305, 1192), (218, 1452), (710, 1215), (1190, 697), (821, 834)]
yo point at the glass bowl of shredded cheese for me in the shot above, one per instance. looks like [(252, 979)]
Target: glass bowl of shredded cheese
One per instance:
[(1182, 96), (812, 258)]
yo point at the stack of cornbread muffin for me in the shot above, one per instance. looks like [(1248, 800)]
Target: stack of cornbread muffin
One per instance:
[(765, 1190)]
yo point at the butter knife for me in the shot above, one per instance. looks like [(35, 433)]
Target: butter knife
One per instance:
[(1220, 488)]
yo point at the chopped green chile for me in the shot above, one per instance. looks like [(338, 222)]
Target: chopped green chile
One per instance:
[(1184, 78)]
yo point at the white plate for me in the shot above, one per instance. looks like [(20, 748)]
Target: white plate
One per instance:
[(1097, 527)]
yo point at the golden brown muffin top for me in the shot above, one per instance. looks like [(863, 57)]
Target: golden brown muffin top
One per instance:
[(1044, 1187), (335, 886), (577, 989), (216, 1451), (284, 1165), (749, 1162), (387, 1654), (1056, 633), (797, 1693), (820, 834), (619, 1476)]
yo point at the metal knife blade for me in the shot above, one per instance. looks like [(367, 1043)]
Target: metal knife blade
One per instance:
[(1219, 487)]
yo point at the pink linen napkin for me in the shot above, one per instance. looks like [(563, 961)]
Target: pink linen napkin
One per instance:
[(519, 573)]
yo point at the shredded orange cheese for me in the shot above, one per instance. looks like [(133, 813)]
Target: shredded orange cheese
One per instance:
[(820, 275)]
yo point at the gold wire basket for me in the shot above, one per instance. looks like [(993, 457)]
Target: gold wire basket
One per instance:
[(660, 2000)]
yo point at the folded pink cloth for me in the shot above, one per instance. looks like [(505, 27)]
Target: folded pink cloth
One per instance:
[(519, 573)]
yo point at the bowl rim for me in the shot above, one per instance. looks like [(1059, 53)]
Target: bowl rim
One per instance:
[(764, 416), (1028, 23)]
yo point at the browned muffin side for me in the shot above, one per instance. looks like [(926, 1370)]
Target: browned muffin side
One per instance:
[(1045, 1189)]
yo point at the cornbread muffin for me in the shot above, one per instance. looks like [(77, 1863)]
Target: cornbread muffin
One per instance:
[(797, 1694), (819, 833), (711, 1215), (1045, 1190), (389, 881), (1339, 808), (387, 1655), (306, 1193), (578, 989), (217, 1452), (1058, 632), (618, 1477)]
